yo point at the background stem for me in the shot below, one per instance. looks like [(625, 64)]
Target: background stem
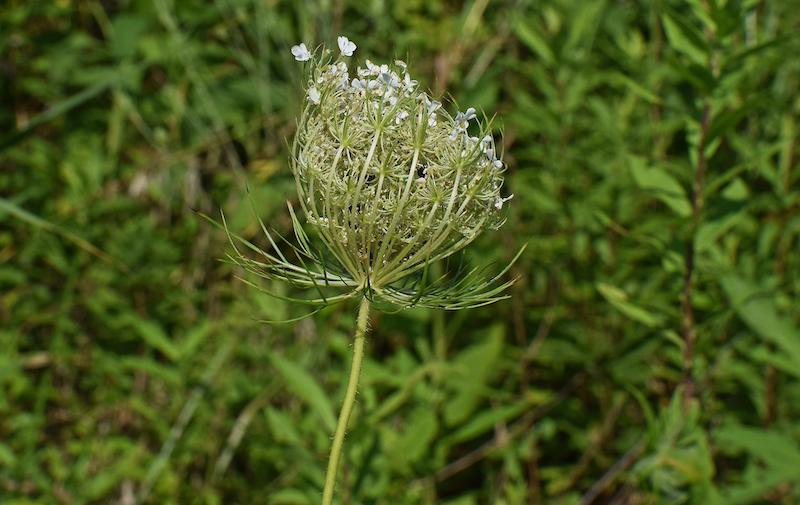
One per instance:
[(347, 405)]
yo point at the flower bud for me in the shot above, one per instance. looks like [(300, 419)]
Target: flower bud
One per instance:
[(391, 181)]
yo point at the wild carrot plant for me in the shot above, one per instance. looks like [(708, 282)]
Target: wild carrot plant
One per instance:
[(390, 183)]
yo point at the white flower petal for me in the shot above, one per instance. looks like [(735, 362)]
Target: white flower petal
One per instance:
[(300, 52), (313, 95), (346, 46)]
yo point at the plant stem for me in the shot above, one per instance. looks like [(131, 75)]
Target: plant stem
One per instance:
[(347, 405)]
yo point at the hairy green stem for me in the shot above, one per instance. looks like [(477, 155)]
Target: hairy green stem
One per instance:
[(347, 405)]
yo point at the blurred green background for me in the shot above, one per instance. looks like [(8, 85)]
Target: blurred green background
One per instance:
[(650, 352)]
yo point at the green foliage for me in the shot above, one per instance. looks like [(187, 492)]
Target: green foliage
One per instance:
[(648, 354)]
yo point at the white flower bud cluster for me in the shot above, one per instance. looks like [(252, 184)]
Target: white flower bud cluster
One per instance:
[(389, 179)]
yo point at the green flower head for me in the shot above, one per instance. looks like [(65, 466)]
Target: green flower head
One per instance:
[(390, 183)]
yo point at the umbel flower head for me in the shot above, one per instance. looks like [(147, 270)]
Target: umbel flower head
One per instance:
[(390, 183)]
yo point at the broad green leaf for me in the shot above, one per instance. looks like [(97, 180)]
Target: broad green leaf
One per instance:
[(127, 30), (708, 232), (282, 427), (726, 120), (420, 430), (302, 384), (776, 450), (660, 184), (736, 191), (776, 460), (7, 457), (470, 371), (758, 311)]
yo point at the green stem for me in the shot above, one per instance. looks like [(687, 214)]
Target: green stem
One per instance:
[(347, 405)]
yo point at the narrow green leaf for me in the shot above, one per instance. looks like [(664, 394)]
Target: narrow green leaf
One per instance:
[(619, 299), (195, 337), (152, 333), (685, 38), (34, 220), (485, 421), (531, 37), (290, 497), (56, 110), (634, 86)]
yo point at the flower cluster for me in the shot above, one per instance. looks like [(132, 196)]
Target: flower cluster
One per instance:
[(388, 178)]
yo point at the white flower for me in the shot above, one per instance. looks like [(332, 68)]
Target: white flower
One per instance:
[(409, 83), (461, 121), (499, 201), (487, 146), (373, 69), (336, 73), (463, 118), (388, 79), (346, 46), (401, 116), (433, 106), (300, 52), (313, 95), (334, 69)]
